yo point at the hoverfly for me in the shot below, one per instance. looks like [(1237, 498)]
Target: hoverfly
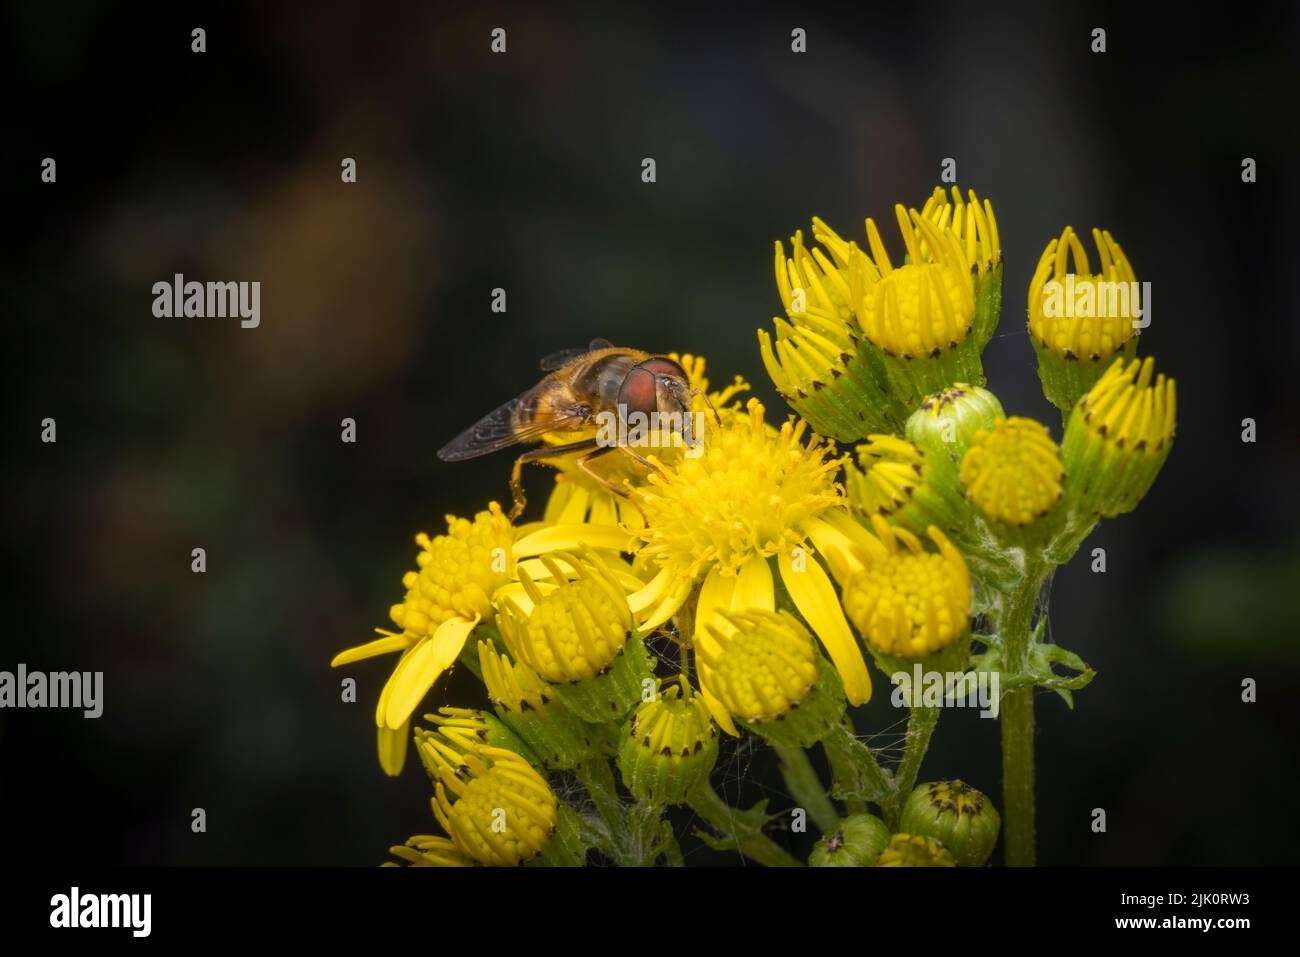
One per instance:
[(580, 386)]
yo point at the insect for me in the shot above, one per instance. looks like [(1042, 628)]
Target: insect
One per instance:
[(582, 387)]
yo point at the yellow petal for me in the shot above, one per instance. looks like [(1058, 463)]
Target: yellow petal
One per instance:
[(651, 593), (380, 646), (419, 670), (392, 749), (814, 596), (720, 714), (754, 588), (715, 596), (573, 536), (673, 599), (603, 511)]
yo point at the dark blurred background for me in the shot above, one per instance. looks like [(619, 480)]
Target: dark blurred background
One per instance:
[(522, 171)]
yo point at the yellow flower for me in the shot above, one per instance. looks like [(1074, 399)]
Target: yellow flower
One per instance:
[(923, 307), (756, 493), (462, 577), (1013, 471), (1078, 320), (1119, 436), (1097, 319), (888, 473), (446, 598), (915, 850), (762, 667), (496, 807), (908, 602), (668, 746), (574, 630)]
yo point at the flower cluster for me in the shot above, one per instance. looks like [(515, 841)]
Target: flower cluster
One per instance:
[(665, 604)]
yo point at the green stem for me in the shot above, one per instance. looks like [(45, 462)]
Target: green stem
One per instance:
[(868, 781), (754, 844), (806, 787), (1017, 719), (920, 728), (595, 775)]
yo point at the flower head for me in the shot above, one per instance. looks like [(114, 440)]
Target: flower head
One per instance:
[(757, 493), (1078, 320), (668, 747), (752, 492), (946, 421), (1097, 319), (497, 809), (446, 597), (915, 850), (905, 601), (1119, 436), (958, 816), (1013, 473), (763, 668), (856, 841), (816, 360), (572, 630), (887, 475), (922, 307)]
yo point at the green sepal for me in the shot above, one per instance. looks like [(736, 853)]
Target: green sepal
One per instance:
[(1066, 381), (988, 305), (566, 847), (814, 717), (609, 696)]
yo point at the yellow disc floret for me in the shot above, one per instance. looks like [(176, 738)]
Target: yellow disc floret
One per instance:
[(1128, 410), (923, 307), (1013, 471), (759, 665), (1078, 314), (458, 573), (575, 629), (907, 601), (503, 812), (752, 492)]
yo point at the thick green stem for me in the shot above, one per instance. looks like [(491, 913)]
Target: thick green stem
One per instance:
[(755, 845), (806, 787), (1017, 718)]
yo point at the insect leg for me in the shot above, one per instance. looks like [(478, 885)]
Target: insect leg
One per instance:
[(537, 455), (584, 463)]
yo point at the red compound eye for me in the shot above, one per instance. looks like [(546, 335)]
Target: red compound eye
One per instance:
[(664, 367), (637, 394)]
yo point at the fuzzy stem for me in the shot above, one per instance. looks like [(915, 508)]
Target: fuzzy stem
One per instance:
[(1017, 719), (844, 750), (722, 816), (920, 728), (595, 775), (806, 787)]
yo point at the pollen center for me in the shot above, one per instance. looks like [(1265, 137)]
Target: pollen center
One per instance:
[(1013, 472), (918, 310)]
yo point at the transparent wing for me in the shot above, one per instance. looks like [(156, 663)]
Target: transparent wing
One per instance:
[(565, 356), (497, 430)]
